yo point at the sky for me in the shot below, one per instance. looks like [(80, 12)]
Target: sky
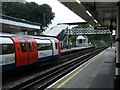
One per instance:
[(62, 13)]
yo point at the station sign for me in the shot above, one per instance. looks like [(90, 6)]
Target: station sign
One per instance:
[(101, 27)]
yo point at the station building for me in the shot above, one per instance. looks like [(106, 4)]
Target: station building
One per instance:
[(18, 26), (82, 41)]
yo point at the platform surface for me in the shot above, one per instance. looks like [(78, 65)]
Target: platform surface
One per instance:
[(74, 48), (98, 72)]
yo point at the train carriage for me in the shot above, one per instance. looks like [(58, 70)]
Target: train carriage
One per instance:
[(7, 54), (45, 49), (24, 50)]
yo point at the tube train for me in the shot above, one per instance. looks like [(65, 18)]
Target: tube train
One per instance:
[(20, 51)]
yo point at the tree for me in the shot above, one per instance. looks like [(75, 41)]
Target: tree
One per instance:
[(29, 11)]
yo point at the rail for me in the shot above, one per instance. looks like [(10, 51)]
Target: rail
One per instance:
[(46, 79)]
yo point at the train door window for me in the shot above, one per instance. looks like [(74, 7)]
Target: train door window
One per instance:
[(23, 45), (7, 48), (56, 45), (31, 47)]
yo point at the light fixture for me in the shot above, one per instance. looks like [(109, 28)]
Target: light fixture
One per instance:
[(88, 13), (95, 21), (78, 1)]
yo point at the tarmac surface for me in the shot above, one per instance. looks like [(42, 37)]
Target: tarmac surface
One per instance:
[(98, 72)]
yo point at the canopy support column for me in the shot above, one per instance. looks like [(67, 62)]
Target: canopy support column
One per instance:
[(117, 70)]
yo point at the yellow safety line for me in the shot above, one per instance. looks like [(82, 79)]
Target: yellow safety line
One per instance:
[(80, 70)]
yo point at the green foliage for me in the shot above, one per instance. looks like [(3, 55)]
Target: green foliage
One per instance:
[(73, 38), (100, 39), (29, 11)]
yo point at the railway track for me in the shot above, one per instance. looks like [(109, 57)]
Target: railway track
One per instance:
[(62, 68)]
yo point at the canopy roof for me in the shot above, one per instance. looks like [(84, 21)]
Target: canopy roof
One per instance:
[(94, 12)]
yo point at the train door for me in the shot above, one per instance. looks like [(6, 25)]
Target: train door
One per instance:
[(59, 48), (21, 51), (57, 44), (32, 50)]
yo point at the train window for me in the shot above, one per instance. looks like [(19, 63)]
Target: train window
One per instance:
[(56, 45), (49, 46), (44, 46), (23, 45), (7, 49), (31, 47)]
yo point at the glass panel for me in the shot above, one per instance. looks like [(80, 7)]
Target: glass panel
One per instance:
[(49, 46), (56, 45), (31, 47), (23, 45), (42, 46), (7, 49)]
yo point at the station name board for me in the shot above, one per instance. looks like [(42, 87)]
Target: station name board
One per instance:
[(101, 27)]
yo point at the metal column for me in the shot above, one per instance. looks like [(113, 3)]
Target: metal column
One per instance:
[(117, 70)]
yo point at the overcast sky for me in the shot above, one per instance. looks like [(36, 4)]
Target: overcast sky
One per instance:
[(62, 13)]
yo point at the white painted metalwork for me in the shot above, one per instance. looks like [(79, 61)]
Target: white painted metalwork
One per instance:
[(20, 24), (86, 31)]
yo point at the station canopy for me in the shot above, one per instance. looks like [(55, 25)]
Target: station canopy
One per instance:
[(94, 12), (15, 25)]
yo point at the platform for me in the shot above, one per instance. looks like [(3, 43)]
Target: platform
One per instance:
[(98, 72), (74, 48)]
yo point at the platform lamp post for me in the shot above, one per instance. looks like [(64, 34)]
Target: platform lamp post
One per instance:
[(44, 20), (42, 27), (117, 70)]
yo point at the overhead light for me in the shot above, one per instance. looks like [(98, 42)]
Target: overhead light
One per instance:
[(95, 21), (78, 1), (88, 13)]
